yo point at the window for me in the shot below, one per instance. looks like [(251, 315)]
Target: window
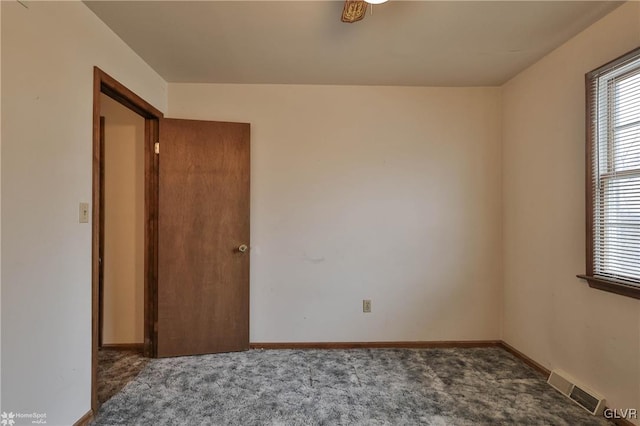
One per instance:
[(613, 176)]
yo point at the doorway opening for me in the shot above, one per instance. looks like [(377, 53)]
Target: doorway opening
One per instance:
[(126, 322), (121, 251)]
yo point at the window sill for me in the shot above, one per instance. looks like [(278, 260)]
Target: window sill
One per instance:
[(612, 286)]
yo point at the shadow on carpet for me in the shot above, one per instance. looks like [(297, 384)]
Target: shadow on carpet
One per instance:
[(116, 368)]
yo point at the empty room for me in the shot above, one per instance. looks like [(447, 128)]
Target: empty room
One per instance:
[(319, 212)]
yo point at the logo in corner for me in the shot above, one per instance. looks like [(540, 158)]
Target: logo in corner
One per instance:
[(7, 419)]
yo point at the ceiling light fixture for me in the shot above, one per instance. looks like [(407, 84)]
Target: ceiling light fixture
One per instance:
[(355, 10)]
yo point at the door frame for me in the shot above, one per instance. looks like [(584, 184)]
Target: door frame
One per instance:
[(100, 207), (104, 83)]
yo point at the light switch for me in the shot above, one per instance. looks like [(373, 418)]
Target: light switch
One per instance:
[(84, 213)]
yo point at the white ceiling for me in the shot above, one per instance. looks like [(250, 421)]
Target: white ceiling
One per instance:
[(414, 43)]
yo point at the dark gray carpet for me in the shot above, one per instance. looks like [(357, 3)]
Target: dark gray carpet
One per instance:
[(116, 368), (483, 386)]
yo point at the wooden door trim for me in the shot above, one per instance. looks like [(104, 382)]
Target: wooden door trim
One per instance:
[(101, 236), (118, 92), (104, 83)]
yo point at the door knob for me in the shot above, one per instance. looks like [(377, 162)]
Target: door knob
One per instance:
[(242, 248)]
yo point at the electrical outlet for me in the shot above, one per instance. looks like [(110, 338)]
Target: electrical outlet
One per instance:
[(83, 216), (366, 306)]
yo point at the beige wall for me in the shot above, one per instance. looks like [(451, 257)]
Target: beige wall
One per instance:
[(392, 194), (124, 224), (0, 206), (383, 193), (549, 314), (48, 53)]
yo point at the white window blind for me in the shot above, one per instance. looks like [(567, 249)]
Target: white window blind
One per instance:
[(615, 171)]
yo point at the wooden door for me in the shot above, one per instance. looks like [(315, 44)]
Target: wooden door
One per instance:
[(203, 226)]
